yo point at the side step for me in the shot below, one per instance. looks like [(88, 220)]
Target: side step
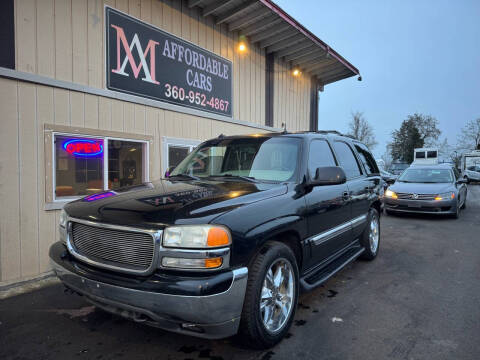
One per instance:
[(311, 281)]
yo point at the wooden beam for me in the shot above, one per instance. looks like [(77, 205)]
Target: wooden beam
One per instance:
[(210, 9), (274, 38), (232, 13), (192, 3), (292, 49), (248, 19), (285, 43), (261, 25), (301, 53), (307, 58), (269, 31)]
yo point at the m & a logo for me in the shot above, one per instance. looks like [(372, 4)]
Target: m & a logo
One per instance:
[(148, 71)]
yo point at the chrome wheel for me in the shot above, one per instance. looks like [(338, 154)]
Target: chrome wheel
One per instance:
[(374, 234), (277, 295)]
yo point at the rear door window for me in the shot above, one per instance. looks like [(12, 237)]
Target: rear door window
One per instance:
[(367, 159), (347, 159)]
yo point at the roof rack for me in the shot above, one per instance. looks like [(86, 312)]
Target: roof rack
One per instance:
[(335, 132)]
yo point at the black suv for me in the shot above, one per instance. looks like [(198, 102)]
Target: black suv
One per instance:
[(227, 242)]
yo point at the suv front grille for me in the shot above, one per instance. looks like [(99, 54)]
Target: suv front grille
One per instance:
[(409, 196), (120, 248)]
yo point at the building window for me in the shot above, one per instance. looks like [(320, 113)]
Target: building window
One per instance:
[(175, 150), (85, 165), (7, 34)]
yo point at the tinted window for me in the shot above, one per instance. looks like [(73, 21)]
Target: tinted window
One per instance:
[(320, 155), (347, 159), (263, 158), (367, 159), (431, 154), (420, 155), (419, 175)]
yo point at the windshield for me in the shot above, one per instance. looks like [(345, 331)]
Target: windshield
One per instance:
[(260, 158), (427, 176), (474, 168)]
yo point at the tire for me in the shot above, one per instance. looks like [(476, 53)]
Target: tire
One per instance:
[(389, 212), (464, 206), (468, 180), (370, 238), (253, 329)]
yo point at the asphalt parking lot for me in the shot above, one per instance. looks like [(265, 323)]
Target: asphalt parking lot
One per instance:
[(420, 299)]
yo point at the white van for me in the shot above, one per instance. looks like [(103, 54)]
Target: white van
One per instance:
[(471, 166), (425, 156)]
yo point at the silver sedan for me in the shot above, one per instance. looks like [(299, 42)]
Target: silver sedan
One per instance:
[(435, 189)]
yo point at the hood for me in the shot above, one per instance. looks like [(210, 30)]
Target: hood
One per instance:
[(421, 188), (154, 205)]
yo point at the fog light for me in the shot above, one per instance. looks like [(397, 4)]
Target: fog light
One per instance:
[(184, 263)]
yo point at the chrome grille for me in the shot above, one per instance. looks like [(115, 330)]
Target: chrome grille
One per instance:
[(129, 249), (410, 196)]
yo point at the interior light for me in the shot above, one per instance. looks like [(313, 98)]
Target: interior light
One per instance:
[(296, 72)]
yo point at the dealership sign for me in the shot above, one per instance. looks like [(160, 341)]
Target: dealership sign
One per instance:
[(145, 61)]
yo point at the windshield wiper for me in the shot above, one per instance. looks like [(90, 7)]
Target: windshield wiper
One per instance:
[(246, 178), (185, 176)]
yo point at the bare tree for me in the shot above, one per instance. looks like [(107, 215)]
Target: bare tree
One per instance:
[(361, 130), (470, 136)]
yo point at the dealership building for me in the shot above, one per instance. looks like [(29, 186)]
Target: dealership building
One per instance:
[(97, 95)]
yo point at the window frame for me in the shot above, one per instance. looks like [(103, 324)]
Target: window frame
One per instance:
[(179, 142), (355, 156), (359, 158), (105, 139)]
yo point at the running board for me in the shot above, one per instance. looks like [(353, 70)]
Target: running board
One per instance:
[(311, 281)]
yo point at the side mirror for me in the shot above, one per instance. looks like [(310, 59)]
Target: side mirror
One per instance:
[(329, 175), (169, 171)]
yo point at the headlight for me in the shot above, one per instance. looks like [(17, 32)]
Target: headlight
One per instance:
[(63, 219), (390, 194), (62, 226), (196, 236), (445, 196)]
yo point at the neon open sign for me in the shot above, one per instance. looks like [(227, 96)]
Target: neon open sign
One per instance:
[(83, 147)]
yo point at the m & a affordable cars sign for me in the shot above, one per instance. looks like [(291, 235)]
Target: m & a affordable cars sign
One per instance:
[(145, 61)]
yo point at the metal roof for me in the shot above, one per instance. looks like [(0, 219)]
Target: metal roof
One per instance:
[(266, 25)]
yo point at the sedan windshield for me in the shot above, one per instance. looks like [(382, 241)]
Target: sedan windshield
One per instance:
[(427, 176), (248, 159)]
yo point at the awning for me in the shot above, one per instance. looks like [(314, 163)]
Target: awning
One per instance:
[(266, 24)]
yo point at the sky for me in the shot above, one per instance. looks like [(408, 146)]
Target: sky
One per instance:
[(414, 56)]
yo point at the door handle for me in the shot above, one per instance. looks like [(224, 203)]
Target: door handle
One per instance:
[(346, 196)]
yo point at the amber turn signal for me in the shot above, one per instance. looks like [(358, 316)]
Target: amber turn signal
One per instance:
[(213, 262), (217, 237)]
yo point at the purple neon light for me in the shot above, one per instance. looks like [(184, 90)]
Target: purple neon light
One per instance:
[(100, 196)]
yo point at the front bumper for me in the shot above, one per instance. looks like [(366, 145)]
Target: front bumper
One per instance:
[(421, 206), (210, 316)]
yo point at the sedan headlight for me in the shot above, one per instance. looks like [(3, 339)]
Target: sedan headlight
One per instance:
[(196, 236), (445, 196), (391, 194)]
